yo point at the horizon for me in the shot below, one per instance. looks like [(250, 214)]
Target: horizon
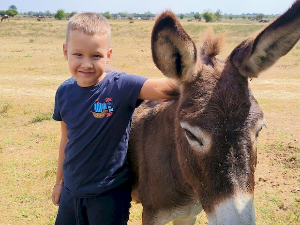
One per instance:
[(268, 7)]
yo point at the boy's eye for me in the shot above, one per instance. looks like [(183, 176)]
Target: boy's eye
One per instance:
[(78, 54), (97, 56)]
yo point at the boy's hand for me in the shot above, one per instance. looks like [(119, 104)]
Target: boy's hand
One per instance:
[(154, 89), (56, 194)]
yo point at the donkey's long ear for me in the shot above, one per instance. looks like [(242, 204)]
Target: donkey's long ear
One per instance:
[(257, 54), (173, 51)]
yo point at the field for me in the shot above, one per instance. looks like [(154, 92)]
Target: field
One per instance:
[(32, 67)]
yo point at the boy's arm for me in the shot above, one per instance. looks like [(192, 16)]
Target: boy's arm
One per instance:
[(154, 89), (61, 154), (61, 158)]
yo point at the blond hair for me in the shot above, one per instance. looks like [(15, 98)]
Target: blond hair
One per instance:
[(89, 23)]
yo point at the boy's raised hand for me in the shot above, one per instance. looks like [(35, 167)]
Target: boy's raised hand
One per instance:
[(154, 89)]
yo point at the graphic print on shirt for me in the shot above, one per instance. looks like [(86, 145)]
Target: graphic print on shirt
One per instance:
[(103, 109)]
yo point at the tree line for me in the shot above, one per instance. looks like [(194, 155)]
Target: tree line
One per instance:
[(207, 15)]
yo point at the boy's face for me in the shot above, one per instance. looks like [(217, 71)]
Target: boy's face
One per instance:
[(87, 57)]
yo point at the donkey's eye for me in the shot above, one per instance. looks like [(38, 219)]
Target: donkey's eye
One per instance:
[(259, 129), (192, 137), (196, 137)]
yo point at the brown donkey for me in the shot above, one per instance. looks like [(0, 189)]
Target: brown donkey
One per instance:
[(198, 151)]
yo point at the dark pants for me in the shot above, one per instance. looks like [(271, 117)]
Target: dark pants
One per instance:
[(109, 208)]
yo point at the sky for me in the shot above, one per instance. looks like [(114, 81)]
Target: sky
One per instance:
[(154, 6)]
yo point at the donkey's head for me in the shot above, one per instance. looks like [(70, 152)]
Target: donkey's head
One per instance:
[(218, 119)]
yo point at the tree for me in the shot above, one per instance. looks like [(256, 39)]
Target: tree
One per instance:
[(149, 14), (2, 12), (259, 16), (208, 16), (181, 16), (60, 14), (107, 15), (47, 13), (129, 16), (30, 13), (72, 13), (11, 12), (197, 16), (218, 15), (12, 7)]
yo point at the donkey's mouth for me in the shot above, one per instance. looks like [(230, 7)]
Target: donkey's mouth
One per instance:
[(236, 210)]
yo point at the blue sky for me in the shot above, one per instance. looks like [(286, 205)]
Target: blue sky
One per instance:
[(154, 6)]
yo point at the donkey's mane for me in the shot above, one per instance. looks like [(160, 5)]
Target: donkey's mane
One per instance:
[(211, 46)]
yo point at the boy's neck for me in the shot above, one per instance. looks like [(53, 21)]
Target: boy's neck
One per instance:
[(102, 77)]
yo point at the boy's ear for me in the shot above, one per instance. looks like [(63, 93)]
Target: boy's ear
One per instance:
[(65, 51), (108, 55)]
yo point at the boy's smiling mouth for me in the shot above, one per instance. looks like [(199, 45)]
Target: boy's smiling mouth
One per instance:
[(85, 73)]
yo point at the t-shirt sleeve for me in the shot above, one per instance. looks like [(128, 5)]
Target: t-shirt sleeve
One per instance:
[(132, 85), (56, 113)]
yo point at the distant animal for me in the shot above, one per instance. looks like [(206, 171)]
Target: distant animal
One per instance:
[(264, 21), (198, 150), (39, 18), (5, 17)]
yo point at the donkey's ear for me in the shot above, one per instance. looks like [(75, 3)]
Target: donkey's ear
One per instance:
[(259, 53), (173, 51)]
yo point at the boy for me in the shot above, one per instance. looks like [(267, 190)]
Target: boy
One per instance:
[(95, 110)]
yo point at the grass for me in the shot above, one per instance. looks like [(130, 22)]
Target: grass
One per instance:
[(41, 117), (32, 67)]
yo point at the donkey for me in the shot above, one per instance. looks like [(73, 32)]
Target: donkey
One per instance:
[(198, 150), (5, 17)]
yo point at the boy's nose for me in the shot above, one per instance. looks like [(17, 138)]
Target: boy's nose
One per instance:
[(87, 64)]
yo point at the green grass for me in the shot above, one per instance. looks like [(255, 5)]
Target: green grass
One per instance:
[(41, 117)]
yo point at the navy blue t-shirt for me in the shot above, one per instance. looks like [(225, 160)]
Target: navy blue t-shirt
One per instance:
[(98, 122)]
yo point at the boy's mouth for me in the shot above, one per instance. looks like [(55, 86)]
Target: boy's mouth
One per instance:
[(85, 73)]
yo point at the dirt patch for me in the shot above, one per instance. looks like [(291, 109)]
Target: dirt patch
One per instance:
[(278, 181)]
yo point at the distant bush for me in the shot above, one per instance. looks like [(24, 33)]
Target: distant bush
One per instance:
[(208, 16), (11, 12), (107, 15), (259, 16), (60, 14), (72, 13), (197, 16), (218, 15)]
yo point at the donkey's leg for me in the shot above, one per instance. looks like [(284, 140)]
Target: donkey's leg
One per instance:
[(157, 218), (185, 221), (188, 215), (180, 216)]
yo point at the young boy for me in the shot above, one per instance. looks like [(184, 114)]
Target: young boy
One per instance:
[(95, 110)]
